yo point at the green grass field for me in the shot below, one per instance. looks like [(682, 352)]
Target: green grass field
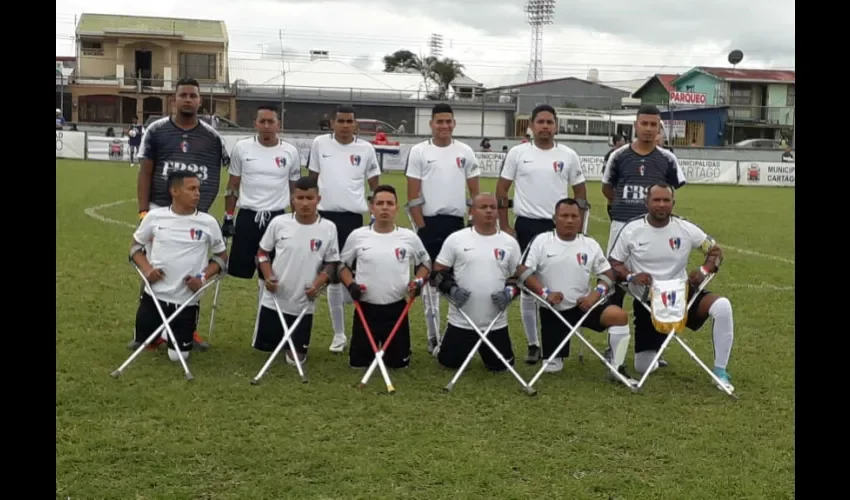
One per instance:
[(153, 435)]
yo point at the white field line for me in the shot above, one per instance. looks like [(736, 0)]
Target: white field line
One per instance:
[(93, 213)]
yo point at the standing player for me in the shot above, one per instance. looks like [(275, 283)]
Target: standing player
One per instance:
[(475, 269), (171, 248), (342, 163), (657, 246), (180, 142), (262, 171), (557, 266), (439, 171), (297, 254), (134, 132), (381, 255), (542, 171), (619, 141)]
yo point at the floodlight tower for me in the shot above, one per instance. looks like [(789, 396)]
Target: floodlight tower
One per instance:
[(540, 13), (435, 44)]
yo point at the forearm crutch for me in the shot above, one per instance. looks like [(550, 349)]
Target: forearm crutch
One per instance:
[(378, 359), (483, 338), (573, 331), (380, 352), (287, 339), (215, 304), (585, 225)]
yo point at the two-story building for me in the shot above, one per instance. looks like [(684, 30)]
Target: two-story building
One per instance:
[(127, 66), (761, 102)]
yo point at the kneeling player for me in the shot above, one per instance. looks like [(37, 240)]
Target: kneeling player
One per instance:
[(474, 270), (306, 255), (657, 247), (171, 248), (557, 266), (381, 255)]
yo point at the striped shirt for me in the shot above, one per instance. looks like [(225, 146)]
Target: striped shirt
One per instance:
[(201, 150), (631, 174)]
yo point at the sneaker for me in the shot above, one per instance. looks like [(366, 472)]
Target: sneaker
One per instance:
[(432, 345), (338, 343), (533, 354), (200, 343), (555, 366), (622, 371), (302, 357), (662, 363), (724, 377)]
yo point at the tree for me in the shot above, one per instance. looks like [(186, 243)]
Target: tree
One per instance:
[(437, 74)]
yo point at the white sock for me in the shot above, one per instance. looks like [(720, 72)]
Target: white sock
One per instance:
[(722, 331), (618, 341), (528, 311), (431, 301), (642, 360), (335, 304)]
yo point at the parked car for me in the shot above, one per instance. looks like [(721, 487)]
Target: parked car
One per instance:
[(759, 143), (369, 126)]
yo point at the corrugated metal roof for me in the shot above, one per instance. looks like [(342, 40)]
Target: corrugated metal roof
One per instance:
[(192, 29), (667, 81), (752, 75)]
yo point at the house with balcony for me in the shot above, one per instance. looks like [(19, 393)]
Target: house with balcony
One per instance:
[(127, 66), (761, 102)]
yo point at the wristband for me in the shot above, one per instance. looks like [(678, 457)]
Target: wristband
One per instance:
[(228, 216), (419, 282), (545, 294), (511, 291), (142, 214), (630, 277), (703, 270), (601, 289), (202, 278)]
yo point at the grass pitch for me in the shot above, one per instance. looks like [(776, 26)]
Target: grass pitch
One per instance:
[(152, 435)]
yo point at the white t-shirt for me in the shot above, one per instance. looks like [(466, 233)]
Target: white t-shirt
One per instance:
[(481, 265), (565, 266), (343, 170), (265, 173), (180, 245), (663, 252), (541, 177), (444, 171), (384, 261), (301, 250)]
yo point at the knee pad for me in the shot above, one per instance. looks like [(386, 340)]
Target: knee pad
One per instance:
[(643, 359), (721, 307), (173, 356)]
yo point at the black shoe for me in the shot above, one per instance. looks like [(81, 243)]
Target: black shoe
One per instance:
[(533, 355)]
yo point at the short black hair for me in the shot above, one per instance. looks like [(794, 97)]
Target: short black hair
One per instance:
[(177, 177), (540, 108), (648, 109), (441, 108), (306, 184), (344, 108), (566, 201), (384, 188), (187, 81), (662, 185), (269, 107)]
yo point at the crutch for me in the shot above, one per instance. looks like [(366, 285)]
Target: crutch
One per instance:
[(378, 359), (483, 338), (214, 304), (585, 225), (380, 352), (574, 331), (166, 325), (287, 339)]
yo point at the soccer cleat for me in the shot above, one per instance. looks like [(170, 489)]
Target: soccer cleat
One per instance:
[(555, 366), (724, 377), (338, 343), (302, 357), (135, 344), (533, 355), (200, 344)]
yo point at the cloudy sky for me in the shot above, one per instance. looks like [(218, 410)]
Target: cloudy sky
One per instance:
[(622, 39)]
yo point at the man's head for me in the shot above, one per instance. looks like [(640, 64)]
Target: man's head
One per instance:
[(544, 122), (305, 196), (567, 217), (660, 199), (442, 121), (184, 188), (618, 140), (345, 122), (135, 120), (58, 112), (647, 123), (187, 97), (384, 204), (267, 122), (484, 211)]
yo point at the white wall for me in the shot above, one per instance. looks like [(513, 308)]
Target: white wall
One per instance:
[(468, 122)]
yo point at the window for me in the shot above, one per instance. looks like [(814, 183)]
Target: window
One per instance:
[(98, 109), (741, 96), (198, 66), (791, 96), (600, 128), (689, 88)]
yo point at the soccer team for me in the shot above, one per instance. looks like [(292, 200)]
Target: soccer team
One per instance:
[(302, 234)]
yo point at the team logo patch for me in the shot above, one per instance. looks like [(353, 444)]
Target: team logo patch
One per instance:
[(315, 245), (668, 298), (280, 160), (400, 254), (581, 258), (184, 146), (355, 160), (196, 234), (642, 170), (558, 166), (461, 161), (499, 253), (675, 243)]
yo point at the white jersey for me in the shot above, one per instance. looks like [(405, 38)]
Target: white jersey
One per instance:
[(541, 177), (661, 252), (383, 261), (565, 266), (301, 250), (180, 245), (265, 173), (481, 264), (444, 171), (343, 169)]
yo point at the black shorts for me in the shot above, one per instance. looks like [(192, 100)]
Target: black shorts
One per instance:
[(526, 229), (246, 241), (458, 342), (437, 229), (183, 326), (647, 337), (553, 331), (381, 319), (346, 223), (270, 331)]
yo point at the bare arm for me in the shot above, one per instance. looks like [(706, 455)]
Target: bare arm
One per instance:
[(346, 277), (608, 192), (213, 268), (502, 188), (230, 201), (532, 283), (618, 270), (414, 189), (143, 185), (373, 182), (141, 259), (328, 270), (439, 267), (474, 186)]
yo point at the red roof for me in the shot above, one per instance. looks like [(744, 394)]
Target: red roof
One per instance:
[(753, 75), (667, 81)]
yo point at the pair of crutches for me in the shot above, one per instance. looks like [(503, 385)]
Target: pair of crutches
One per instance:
[(378, 361), (288, 330), (674, 335), (165, 324)]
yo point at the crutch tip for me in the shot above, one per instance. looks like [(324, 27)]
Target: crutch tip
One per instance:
[(115, 374), (189, 377), (531, 392), (447, 388), (255, 381), (635, 389), (390, 390), (304, 380)]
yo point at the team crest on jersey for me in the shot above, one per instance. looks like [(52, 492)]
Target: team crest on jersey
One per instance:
[(668, 298), (315, 245), (400, 254), (355, 160), (461, 161), (280, 160), (558, 166), (675, 243), (184, 146), (499, 254), (642, 170), (581, 258), (196, 234)]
